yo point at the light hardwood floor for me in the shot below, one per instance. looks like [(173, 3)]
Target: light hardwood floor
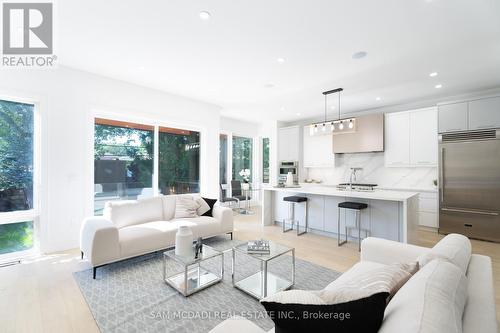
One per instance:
[(41, 295)]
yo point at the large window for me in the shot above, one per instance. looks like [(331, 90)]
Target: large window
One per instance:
[(17, 131), (223, 159), (179, 161), (123, 161), (242, 158), (265, 160), (124, 157)]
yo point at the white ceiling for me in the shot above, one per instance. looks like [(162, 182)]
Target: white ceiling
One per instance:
[(231, 59)]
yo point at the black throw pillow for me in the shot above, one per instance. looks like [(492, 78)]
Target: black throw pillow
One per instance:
[(211, 203), (364, 315)]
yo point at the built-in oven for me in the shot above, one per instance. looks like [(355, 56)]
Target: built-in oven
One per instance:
[(286, 167)]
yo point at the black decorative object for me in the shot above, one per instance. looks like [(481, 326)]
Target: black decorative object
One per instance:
[(362, 315), (198, 248), (211, 203)]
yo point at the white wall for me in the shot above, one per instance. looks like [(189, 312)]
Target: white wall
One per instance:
[(67, 101)]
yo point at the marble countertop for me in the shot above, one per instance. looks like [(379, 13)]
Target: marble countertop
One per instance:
[(331, 190)]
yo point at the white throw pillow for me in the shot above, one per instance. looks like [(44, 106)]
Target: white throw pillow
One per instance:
[(389, 278), (185, 207), (433, 300), (203, 208)]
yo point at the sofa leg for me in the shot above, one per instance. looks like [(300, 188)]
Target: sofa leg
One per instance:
[(81, 252), (94, 271), (231, 234)]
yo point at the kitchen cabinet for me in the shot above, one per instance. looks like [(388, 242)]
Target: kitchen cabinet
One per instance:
[(397, 140), (470, 115), (423, 137), (289, 143), (317, 150), (484, 113), (411, 138), (453, 117)]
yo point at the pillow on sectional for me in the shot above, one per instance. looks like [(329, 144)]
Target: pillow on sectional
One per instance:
[(433, 300), (203, 207), (211, 204), (389, 278), (296, 311), (185, 207)]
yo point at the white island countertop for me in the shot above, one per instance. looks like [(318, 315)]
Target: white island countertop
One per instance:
[(391, 214), (330, 190)]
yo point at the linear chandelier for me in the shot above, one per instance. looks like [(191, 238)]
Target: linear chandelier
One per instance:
[(336, 126)]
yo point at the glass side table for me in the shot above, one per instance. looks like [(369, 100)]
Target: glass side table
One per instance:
[(192, 276), (263, 283)]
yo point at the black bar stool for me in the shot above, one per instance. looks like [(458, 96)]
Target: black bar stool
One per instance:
[(357, 207), (292, 200)]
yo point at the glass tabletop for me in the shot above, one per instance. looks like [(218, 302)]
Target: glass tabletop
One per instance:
[(208, 252), (275, 251)]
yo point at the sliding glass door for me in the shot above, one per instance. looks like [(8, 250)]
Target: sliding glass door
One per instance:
[(123, 161), (17, 189), (223, 147), (179, 161), (265, 160), (124, 157), (242, 158)]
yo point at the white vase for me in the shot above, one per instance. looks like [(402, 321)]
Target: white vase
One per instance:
[(289, 179), (245, 186), (184, 241)]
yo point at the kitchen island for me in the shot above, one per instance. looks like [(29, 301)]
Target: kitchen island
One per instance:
[(390, 214)]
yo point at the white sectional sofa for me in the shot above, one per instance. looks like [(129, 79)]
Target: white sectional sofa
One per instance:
[(135, 227), (424, 304)]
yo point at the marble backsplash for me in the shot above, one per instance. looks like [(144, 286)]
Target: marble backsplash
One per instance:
[(374, 171)]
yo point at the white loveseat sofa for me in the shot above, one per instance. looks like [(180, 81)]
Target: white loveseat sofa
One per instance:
[(135, 227), (418, 305)]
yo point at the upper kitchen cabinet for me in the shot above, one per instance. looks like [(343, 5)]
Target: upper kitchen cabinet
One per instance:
[(289, 143), (411, 138), (484, 113), (397, 140), (317, 150), (423, 137), (453, 117), (473, 115)]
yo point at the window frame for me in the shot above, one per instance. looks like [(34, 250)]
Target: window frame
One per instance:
[(156, 124), (33, 214)]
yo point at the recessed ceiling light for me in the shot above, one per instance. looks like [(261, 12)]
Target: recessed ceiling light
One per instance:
[(282, 108), (438, 86), (204, 15), (377, 98), (433, 74), (359, 55), (269, 85), (298, 113), (280, 60)]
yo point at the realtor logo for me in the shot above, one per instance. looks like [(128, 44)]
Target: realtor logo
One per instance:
[(27, 30)]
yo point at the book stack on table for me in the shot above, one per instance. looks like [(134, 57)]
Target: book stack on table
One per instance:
[(260, 246)]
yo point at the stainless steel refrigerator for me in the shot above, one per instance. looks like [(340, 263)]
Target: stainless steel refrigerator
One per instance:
[(469, 184)]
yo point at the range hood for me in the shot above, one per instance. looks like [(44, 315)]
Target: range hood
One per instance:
[(368, 137)]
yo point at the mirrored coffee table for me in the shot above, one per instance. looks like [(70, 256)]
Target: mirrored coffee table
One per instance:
[(263, 283), (189, 275)]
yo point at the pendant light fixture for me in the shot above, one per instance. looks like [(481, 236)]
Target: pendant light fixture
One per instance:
[(337, 126)]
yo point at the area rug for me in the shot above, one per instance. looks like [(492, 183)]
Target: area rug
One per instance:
[(130, 296)]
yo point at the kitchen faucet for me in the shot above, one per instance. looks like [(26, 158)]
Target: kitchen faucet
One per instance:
[(353, 175)]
